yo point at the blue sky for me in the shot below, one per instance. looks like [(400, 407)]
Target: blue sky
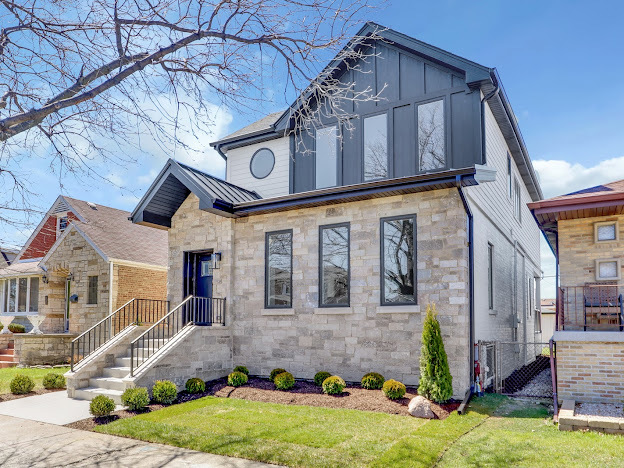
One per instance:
[(560, 63)]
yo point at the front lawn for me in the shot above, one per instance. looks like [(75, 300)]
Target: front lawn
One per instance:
[(7, 374), (496, 431)]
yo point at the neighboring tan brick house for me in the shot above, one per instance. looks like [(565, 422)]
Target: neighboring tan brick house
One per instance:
[(328, 260), (63, 272), (585, 230)]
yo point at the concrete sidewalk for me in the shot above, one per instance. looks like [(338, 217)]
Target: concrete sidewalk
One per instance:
[(36, 444), (53, 408)]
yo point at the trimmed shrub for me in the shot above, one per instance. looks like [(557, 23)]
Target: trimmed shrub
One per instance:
[(195, 385), (274, 373), (242, 369), (373, 381), (333, 385), (236, 379), (436, 382), (17, 328), (320, 377), (164, 392), (101, 406), (135, 398), (51, 381), (21, 384), (394, 389), (284, 381)]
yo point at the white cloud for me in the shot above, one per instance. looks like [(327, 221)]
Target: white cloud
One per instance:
[(558, 177)]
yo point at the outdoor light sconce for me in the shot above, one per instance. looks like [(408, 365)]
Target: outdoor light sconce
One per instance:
[(73, 298), (45, 279), (70, 277), (216, 260)]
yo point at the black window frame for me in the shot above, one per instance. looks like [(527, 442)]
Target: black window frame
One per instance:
[(389, 128), (320, 265), (509, 178), (382, 268), (251, 162), (490, 260), (266, 269), (338, 183), (447, 123), (89, 290)]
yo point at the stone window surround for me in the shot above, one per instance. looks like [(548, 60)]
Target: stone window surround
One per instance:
[(606, 223), (618, 267)]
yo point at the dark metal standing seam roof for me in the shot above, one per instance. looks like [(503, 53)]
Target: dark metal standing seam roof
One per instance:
[(221, 189)]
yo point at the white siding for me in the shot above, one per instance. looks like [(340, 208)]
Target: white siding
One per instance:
[(276, 183), (515, 244)]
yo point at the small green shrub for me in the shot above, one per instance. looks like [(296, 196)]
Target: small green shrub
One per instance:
[(17, 328), (21, 384), (394, 389), (135, 398), (333, 385), (274, 373), (195, 385), (320, 377), (373, 381), (236, 379), (164, 392), (101, 406), (51, 381), (242, 369), (284, 381)]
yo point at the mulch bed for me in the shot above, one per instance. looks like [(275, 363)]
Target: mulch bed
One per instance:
[(303, 393), (41, 391)]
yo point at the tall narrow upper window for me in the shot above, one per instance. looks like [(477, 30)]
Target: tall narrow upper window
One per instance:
[(431, 147), (490, 276), (517, 201), (12, 294), (62, 224), (278, 274), (22, 289), (376, 147), (398, 252), (334, 265), (92, 290), (605, 232), (33, 303), (508, 175), (326, 157)]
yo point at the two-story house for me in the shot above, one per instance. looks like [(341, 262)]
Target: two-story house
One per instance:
[(585, 231), (326, 259)]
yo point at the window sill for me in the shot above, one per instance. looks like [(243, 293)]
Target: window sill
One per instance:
[(402, 309), (333, 310), (269, 312), (492, 312), (91, 305)]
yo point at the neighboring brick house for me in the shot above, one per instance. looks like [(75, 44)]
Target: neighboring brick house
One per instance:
[(585, 230), (63, 272), (328, 260)]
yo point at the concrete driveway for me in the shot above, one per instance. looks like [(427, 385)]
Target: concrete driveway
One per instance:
[(38, 444)]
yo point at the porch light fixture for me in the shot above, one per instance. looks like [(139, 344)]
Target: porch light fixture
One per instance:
[(216, 260), (45, 279), (70, 277)]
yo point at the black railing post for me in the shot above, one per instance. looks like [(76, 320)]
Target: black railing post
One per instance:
[(72, 357)]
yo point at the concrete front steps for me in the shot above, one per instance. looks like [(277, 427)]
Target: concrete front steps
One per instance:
[(113, 381), (7, 356)]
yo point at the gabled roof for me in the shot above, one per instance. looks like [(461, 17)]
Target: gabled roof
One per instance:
[(174, 183), (600, 200), (476, 76), (21, 269), (8, 255)]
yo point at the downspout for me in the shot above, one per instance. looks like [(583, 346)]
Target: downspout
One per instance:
[(489, 96), (470, 286), (221, 153)]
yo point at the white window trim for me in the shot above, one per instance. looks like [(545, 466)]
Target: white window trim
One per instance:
[(606, 223), (17, 289), (618, 269)]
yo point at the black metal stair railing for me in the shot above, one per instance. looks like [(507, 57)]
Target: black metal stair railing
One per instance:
[(133, 312), (201, 311)]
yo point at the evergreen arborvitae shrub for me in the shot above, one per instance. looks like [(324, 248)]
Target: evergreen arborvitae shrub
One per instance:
[(21, 384), (164, 392), (320, 377), (195, 385), (436, 382), (284, 381), (52, 381), (373, 381), (242, 369), (274, 373), (236, 379), (101, 406)]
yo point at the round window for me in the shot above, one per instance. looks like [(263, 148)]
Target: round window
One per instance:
[(262, 163)]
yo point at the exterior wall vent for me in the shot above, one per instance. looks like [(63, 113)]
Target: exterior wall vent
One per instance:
[(60, 206)]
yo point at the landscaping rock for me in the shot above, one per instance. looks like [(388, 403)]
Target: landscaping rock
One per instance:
[(420, 407)]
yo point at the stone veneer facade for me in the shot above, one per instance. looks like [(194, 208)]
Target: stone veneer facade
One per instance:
[(46, 349), (346, 341)]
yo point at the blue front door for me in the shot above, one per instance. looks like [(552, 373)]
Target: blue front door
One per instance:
[(198, 283), (203, 276)]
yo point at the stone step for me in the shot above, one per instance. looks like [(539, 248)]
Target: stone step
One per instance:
[(110, 383), (89, 393), (125, 361), (118, 372)]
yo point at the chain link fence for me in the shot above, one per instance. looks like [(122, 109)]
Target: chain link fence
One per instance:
[(516, 368)]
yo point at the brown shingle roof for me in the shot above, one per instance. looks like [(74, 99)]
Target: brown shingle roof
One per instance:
[(612, 190), (117, 237), (265, 123)]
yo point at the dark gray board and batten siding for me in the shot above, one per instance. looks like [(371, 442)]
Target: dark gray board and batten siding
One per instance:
[(403, 80)]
